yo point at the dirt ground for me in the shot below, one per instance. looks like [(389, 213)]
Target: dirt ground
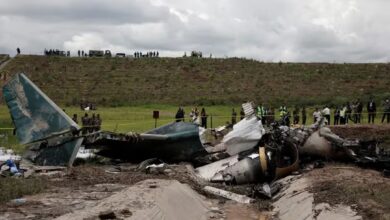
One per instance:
[(365, 132), (366, 191), (84, 186)]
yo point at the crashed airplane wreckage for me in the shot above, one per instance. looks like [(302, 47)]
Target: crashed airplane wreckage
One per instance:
[(248, 153)]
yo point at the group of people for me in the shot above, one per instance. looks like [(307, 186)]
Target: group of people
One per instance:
[(81, 53), (138, 54), (195, 117), (354, 112), (349, 112), (56, 52), (88, 106), (90, 124)]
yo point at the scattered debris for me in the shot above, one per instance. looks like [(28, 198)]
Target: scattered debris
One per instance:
[(246, 153), (228, 195)]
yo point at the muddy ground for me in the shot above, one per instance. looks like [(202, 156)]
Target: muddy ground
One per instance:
[(365, 191)]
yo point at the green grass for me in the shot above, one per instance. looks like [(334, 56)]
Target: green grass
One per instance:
[(136, 119), (126, 91), (13, 188), (186, 81)]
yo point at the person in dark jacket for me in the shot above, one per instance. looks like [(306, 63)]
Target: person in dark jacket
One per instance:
[(303, 115), (179, 114), (296, 116), (386, 111), (74, 118), (359, 110), (371, 109), (336, 117), (203, 118), (242, 114), (234, 117)]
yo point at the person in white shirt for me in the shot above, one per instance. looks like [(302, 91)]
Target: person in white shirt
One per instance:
[(316, 115), (326, 114)]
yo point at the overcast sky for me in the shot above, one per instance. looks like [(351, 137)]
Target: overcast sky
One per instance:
[(276, 30)]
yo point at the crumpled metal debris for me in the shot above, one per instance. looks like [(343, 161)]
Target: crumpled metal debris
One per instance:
[(250, 153)]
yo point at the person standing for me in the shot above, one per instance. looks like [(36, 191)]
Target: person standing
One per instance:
[(296, 116), (260, 112), (343, 115), (386, 111), (371, 109), (282, 111), (336, 117), (98, 122), (203, 117), (179, 115), (326, 113), (316, 115), (75, 118), (234, 117), (85, 123), (242, 113), (271, 116), (18, 50), (303, 115), (359, 110), (348, 113)]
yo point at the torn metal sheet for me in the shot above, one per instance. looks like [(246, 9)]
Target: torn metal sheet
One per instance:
[(245, 135), (40, 123), (173, 142), (247, 170), (249, 109), (229, 195), (208, 171)]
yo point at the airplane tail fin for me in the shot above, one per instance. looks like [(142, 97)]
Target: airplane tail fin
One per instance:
[(37, 118)]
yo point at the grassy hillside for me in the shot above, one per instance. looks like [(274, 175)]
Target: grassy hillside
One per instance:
[(188, 81)]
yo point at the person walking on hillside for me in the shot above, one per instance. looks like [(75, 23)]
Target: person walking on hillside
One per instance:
[(386, 111), (326, 113), (303, 115), (203, 117), (234, 117), (18, 50), (371, 109)]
